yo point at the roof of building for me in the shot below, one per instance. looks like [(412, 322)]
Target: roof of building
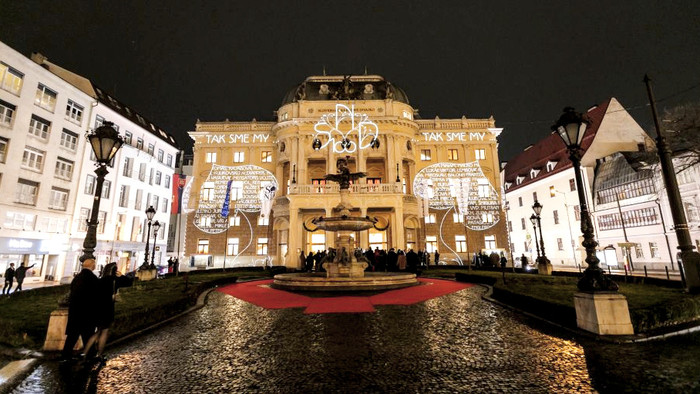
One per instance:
[(551, 150), (621, 168), (345, 87), (89, 88)]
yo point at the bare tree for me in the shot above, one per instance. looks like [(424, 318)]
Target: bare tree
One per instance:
[(682, 127)]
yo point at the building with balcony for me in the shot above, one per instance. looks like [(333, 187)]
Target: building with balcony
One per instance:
[(433, 183)]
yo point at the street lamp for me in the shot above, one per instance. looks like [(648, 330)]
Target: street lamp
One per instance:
[(156, 227), (544, 267), (627, 245), (105, 142), (571, 127), (150, 212), (533, 220)]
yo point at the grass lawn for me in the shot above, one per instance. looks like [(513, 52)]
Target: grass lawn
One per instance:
[(24, 316)]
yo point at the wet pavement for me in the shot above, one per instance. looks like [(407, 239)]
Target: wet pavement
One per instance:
[(455, 343)]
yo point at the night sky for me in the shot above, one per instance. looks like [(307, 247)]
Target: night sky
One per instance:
[(519, 61)]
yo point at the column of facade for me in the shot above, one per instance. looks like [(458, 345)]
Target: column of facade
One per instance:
[(364, 235), (294, 241), (391, 160), (398, 237)]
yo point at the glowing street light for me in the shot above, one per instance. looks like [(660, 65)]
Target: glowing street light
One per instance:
[(150, 212)]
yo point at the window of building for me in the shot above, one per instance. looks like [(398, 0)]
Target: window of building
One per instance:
[(128, 166), (425, 155), (10, 79), (519, 179), (39, 127), (45, 98), (431, 244), (151, 149), (487, 217), (452, 154), (686, 176), (263, 220), (74, 111), (572, 184), (139, 143), (490, 241), (261, 248), (164, 206), (19, 221), (83, 219), (33, 158), (151, 173), (534, 197), (377, 239), (205, 221), (169, 160), (106, 188), (510, 226), (58, 199), (550, 165), (457, 218), (691, 211), (64, 169), (142, 172), (560, 244), (318, 242), (555, 215), (163, 230), (266, 156), (207, 191), (7, 113), (90, 184), (654, 250), (533, 173), (238, 157), (430, 218), (123, 196), (99, 121), (484, 188), (203, 246), (154, 201), (234, 220), (210, 157), (577, 212), (522, 223), (4, 144), (127, 137), (232, 246), (138, 200), (167, 181), (480, 154), (26, 192), (461, 243), (69, 140), (552, 191), (236, 190), (520, 201), (160, 155), (638, 251), (159, 175)]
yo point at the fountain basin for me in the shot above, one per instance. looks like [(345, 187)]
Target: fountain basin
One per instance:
[(319, 282), (344, 223)]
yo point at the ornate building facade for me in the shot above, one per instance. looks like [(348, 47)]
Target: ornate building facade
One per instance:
[(256, 185)]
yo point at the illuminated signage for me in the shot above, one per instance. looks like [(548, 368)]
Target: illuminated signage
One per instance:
[(458, 136), (345, 130), (237, 138), (252, 189)]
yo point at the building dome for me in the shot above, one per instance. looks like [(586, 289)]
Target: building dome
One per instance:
[(349, 87)]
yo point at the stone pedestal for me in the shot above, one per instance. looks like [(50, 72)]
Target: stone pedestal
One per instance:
[(56, 332), (146, 274), (544, 267), (603, 313)]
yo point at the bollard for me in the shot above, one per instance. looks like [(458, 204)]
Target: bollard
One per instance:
[(625, 273), (668, 277)]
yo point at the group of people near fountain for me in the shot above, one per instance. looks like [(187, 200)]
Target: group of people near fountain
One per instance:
[(378, 260)]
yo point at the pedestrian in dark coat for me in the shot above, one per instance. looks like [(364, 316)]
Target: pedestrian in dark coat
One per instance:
[(81, 308), (392, 260), (437, 257), (20, 273), (412, 261), (9, 278), (110, 281), (310, 262)]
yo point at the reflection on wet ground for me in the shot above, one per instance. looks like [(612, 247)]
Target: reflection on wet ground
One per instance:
[(455, 343)]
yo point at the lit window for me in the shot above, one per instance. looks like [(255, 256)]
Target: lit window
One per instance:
[(45, 98), (208, 191), (263, 220), (461, 243), (33, 158), (236, 190), (480, 154), (64, 169), (234, 220), (7, 112), (431, 244), (452, 154), (487, 217), (238, 157), (266, 156), (232, 246), (490, 241), (205, 221), (39, 127), (552, 191), (377, 239), (425, 155), (261, 248), (203, 246), (457, 218), (484, 188), (10, 79), (69, 140), (210, 157), (430, 218), (74, 111)]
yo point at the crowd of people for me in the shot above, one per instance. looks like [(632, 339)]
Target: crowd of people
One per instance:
[(12, 274), (378, 260), (91, 309)]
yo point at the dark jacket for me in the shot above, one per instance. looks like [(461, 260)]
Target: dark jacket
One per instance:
[(9, 274), (106, 289), (81, 302), (21, 272)]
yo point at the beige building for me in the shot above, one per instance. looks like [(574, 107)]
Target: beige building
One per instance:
[(434, 184)]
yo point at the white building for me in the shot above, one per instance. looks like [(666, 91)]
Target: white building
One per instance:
[(42, 121), (141, 176), (544, 173)]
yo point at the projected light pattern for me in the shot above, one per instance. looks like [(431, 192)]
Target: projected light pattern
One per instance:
[(252, 189), (461, 186), (340, 129)]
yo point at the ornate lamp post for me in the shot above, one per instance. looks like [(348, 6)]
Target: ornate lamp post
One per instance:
[(533, 220), (105, 142), (150, 212), (156, 227), (543, 265), (571, 127)]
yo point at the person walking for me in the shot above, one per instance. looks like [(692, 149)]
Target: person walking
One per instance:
[(20, 273), (437, 257), (9, 278), (81, 308), (401, 261), (110, 281)]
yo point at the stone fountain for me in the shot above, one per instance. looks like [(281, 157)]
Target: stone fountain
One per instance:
[(345, 269)]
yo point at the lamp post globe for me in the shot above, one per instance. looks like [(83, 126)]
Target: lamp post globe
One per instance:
[(537, 207), (571, 127), (150, 212), (105, 142), (156, 227)]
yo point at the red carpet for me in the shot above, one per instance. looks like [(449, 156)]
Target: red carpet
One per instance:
[(259, 293)]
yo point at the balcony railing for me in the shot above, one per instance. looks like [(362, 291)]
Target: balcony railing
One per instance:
[(380, 188)]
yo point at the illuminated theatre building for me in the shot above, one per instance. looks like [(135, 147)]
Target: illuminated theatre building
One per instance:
[(434, 184)]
